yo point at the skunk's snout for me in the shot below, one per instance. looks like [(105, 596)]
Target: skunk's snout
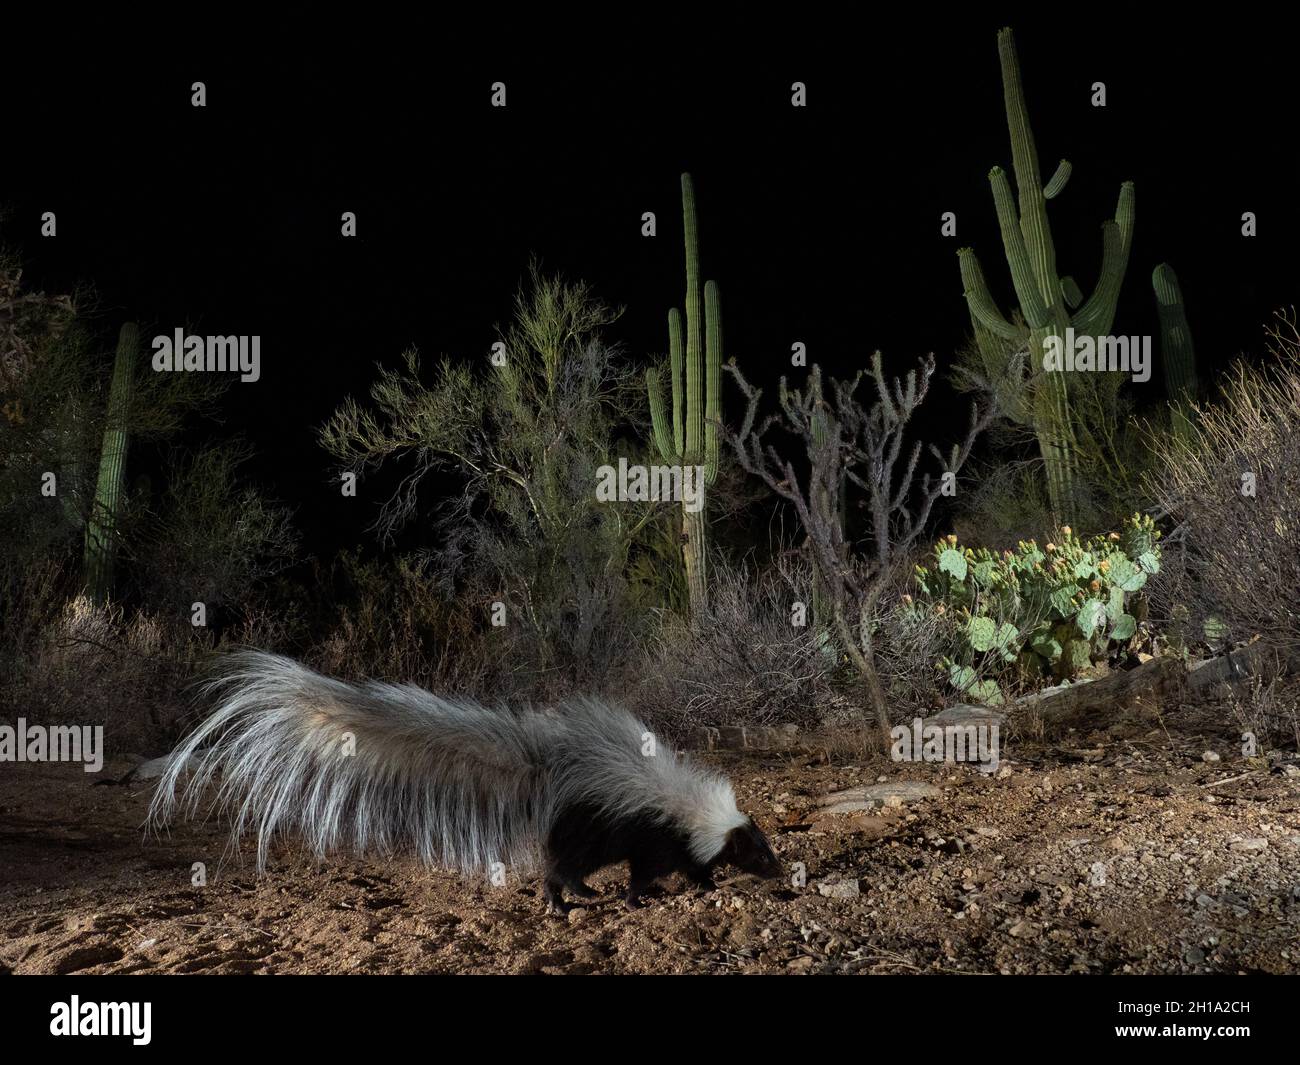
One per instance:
[(770, 864)]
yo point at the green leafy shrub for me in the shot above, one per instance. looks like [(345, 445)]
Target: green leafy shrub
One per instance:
[(1024, 615)]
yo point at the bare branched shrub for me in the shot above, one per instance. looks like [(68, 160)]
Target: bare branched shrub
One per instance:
[(851, 443), (1232, 490), (753, 664)]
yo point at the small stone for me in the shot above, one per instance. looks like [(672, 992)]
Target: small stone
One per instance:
[(1211, 756), (839, 889), (1024, 930), (1249, 843)]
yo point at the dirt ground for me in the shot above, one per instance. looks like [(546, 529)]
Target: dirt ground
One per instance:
[(1114, 851)]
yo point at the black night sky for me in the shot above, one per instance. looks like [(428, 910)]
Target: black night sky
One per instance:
[(821, 224)]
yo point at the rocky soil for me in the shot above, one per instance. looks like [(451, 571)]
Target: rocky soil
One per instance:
[(1116, 850)]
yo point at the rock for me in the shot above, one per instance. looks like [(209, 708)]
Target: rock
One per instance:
[(745, 738), (839, 889), (1248, 843), (1024, 930), (1211, 756), (156, 767), (799, 965), (853, 800), (965, 714)]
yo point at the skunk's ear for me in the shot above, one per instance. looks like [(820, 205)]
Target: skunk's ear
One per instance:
[(748, 849)]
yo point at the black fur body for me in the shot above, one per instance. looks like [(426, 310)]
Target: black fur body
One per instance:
[(584, 839)]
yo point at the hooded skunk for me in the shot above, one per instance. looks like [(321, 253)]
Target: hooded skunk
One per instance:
[(376, 766)]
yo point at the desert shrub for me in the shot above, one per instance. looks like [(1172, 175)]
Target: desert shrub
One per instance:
[(526, 438), (212, 538), (1268, 709), (1231, 491), (1021, 616), (390, 621), (1006, 500), (753, 664), (95, 665)]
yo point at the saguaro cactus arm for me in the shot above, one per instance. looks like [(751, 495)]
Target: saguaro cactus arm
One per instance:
[(1097, 315), (1176, 346), (982, 307), (713, 381)]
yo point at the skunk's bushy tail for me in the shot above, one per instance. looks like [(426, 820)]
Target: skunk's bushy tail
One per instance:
[(365, 767)]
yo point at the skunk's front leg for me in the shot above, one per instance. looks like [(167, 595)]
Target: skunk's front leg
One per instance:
[(641, 875)]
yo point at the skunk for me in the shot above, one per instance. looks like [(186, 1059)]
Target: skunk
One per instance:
[(377, 766)]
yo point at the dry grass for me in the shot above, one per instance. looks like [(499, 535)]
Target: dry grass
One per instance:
[(1270, 710), (1235, 555), (750, 665)]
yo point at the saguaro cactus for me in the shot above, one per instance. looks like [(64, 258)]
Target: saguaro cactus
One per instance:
[(1049, 303), (1175, 347), (102, 526), (692, 439)]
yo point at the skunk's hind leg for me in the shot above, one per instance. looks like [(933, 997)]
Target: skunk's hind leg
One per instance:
[(553, 895)]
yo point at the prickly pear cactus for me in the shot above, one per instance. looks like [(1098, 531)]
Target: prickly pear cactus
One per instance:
[(1019, 617)]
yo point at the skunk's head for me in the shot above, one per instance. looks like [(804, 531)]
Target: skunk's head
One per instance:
[(749, 851)]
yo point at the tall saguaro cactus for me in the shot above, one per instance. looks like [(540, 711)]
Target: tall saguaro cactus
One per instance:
[(1176, 347), (692, 439), (1049, 303), (102, 526)]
